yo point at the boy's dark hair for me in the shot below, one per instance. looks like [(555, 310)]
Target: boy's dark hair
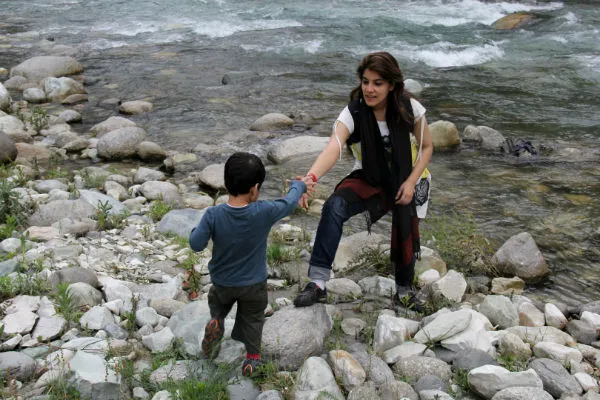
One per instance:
[(242, 171)]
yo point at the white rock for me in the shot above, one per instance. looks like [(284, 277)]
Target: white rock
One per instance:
[(452, 286), (586, 381), (407, 349), (272, 122), (592, 319), (378, 286), (534, 335), (389, 332), (23, 303), (351, 246), (96, 318), (490, 379), (530, 315), (428, 277), (159, 341), (315, 377), (344, 289), (444, 326), (146, 316), (49, 328), (92, 375), (21, 322), (476, 336), (301, 145), (557, 352), (213, 176), (554, 317)]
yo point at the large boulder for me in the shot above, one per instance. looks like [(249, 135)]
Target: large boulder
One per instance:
[(520, 256), (557, 380), (52, 212), (513, 21), (5, 99), (272, 122), (180, 222), (121, 143), (301, 145), (488, 138), (8, 149), (293, 334), (444, 135), (40, 67), (188, 324)]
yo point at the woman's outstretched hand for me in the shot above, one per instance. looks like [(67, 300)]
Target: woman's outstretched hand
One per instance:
[(405, 193)]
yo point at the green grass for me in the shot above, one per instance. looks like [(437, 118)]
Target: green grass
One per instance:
[(65, 305), (93, 181), (270, 378), (335, 339), (278, 254), (513, 363), (158, 209), (375, 260), (31, 285), (461, 244), (105, 220), (12, 212)]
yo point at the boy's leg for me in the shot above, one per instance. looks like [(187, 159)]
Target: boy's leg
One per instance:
[(220, 304), (336, 211), (249, 322)]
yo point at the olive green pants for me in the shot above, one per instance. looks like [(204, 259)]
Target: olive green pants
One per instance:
[(250, 317)]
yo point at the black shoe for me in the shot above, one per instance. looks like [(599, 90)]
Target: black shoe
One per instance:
[(251, 367), (310, 295)]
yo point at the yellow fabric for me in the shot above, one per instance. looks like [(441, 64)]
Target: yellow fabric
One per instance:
[(356, 152)]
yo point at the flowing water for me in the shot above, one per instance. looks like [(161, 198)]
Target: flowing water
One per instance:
[(540, 83)]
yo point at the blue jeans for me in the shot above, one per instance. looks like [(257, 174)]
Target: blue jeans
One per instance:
[(335, 212)]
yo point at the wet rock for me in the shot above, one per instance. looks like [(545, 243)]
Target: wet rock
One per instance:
[(513, 21), (301, 145), (8, 149), (75, 98), (508, 286), (347, 369), (18, 365), (520, 256), (451, 286), (135, 107), (413, 86), (557, 380), (313, 378), (293, 334), (444, 135), (5, 100), (489, 139), (150, 151), (490, 379), (111, 124), (522, 393), (180, 222), (34, 95), (593, 307), (121, 143), (70, 116), (416, 367), (37, 68), (58, 89), (272, 122), (240, 77), (500, 311)]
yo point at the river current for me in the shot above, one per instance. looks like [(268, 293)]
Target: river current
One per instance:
[(539, 83)]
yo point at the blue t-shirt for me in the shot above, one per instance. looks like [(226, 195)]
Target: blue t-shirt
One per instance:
[(239, 234)]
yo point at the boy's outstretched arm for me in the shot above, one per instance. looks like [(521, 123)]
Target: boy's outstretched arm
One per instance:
[(201, 234), (286, 205)]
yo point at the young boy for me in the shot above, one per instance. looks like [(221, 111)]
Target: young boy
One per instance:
[(238, 268)]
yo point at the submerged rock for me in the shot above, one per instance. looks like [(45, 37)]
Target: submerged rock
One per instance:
[(40, 67), (513, 21)]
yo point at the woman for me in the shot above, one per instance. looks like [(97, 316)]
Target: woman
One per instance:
[(376, 125)]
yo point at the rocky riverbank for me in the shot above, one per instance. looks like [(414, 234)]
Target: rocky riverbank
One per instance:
[(93, 261)]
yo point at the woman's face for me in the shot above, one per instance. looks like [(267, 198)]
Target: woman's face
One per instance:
[(375, 89)]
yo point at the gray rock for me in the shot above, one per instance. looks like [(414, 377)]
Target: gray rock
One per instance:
[(293, 334), (398, 390), (146, 316), (111, 124), (530, 315), (534, 335), (121, 143), (158, 190), (347, 369), (593, 307), (96, 318), (144, 174), (313, 379), (242, 389), (431, 382), (489, 139), (5, 100), (150, 151), (472, 359), (413, 86), (23, 303), (522, 393), (351, 246), (430, 259), (8, 150), (376, 369), (58, 89), (232, 353), (520, 256), (416, 367), (513, 345), (557, 352), (83, 294), (213, 176), (500, 311), (16, 83), (135, 107), (270, 395), (8, 266), (166, 306), (14, 128), (406, 349), (444, 326), (69, 116), (352, 326), (40, 67), (272, 122), (74, 275), (18, 365), (52, 212), (95, 198), (93, 377), (178, 371), (490, 379), (180, 222), (115, 331), (582, 331), (297, 146), (49, 328), (343, 289), (434, 395), (444, 135), (389, 332), (188, 324), (21, 322), (366, 391), (160, 341), (34, 95), (378, 286), (557, 380), (140, 393), (452, 286), (162, 395)]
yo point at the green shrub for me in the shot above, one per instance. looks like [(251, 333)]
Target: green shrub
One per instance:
[(38, 118), (158, 209), (65, 304), (278, 254), (106, 220), (10, 207)]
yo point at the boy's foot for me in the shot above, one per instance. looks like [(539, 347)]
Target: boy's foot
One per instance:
[(311, 294), (250, 366), (213, 333)]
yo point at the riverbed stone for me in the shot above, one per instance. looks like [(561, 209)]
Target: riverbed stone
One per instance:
[(389, 332), (115, 190), (297, 146), (444, 326), (144, 174), (120, 143), (407, 349), (272, 122), (49, 328), (489, 139), (39, 67), (475, 336), (135, 107), (536, 334), (530, 315), (5, 100), (347, 369), (73, 275), (111, 124), (166, 306), (181, 221), (70, 116), (21, 322), (473, 358), (313, 378), (52, 212), (8, 149), (397, 390), (556, 379), (213, 176), (427, 278), (416, 367), (512, 345), (344, 289), (586, 381), (376, 369), (197, 201), (508, 286), (19, 365), (451, 286), (500, 311), (150, 151), (513, 21), (490, 379), (13, 127), (188, 324), (582, 331), (159, 190), (94, 378), (34, 95), (159, 341), (520, 256), (351, 246), (96, 318), (146, 316), (293, 334), (58, 89), (444, 135), (522, 393)]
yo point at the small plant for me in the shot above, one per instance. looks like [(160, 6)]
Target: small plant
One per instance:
[(158, 209), (513, 363), (107, 220), (61, 389), (334, 340), (91, 181), (38, 119), (373, 259), (7, 229), (10, 205), (65, 304), (271, 379), (130, 324), (278, 254)]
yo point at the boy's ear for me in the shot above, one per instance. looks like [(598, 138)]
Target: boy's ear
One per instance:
[(254, 189)]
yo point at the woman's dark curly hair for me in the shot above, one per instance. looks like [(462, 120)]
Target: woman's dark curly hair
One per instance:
[(387, 67)]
